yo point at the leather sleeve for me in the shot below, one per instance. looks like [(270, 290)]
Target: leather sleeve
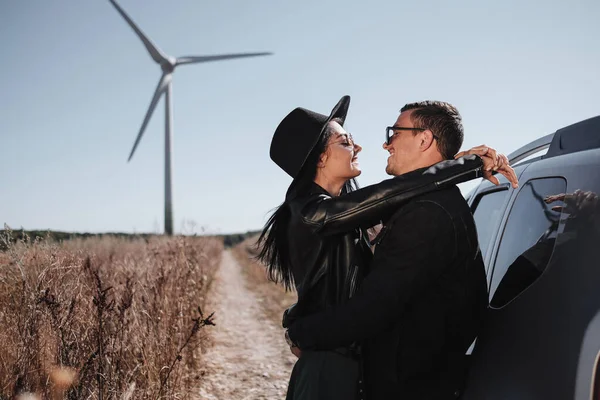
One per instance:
[(366, 206)]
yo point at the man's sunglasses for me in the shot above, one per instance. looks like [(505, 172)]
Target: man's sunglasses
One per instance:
[(390, 131)]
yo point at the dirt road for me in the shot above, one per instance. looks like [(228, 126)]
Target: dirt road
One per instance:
[(249, 358)]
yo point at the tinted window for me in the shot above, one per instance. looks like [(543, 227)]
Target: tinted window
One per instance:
[(527, 241), (487, 214)]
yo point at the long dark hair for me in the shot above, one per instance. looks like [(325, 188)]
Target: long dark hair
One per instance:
[(273, 241)]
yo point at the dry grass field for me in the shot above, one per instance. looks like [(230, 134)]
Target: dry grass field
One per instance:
[(104, 318)]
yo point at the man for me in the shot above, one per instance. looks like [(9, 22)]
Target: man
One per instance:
[(420, 307)]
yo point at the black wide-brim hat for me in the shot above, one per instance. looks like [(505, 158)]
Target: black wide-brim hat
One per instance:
[(299, 132)]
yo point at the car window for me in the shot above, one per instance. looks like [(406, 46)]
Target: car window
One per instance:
[(487, 213), (527, 241)]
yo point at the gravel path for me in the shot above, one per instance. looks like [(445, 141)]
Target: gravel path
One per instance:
[(249, 358)]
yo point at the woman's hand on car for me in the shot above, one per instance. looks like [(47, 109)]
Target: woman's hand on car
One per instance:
[(493, 162)]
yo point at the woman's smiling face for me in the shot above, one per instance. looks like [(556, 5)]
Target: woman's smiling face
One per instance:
[(340, 159)]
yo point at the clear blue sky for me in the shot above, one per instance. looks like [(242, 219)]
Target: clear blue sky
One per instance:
[(76, 83)]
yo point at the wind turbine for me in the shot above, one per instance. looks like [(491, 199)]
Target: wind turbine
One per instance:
[(168, 65)]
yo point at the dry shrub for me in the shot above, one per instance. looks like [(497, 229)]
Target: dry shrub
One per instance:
[(124, 315), (273, 297)]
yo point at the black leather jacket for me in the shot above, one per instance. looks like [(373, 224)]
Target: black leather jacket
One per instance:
[(329, 250)]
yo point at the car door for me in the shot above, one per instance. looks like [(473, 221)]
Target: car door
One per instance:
[(541, 338), (488, 204)]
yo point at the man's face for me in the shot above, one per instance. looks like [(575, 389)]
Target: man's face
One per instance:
[(404, 147)]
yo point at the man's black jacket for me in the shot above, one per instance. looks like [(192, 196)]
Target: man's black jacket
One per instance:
[(328, 253), (420, 307)]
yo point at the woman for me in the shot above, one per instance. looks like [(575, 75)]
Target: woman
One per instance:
[(316, 239)]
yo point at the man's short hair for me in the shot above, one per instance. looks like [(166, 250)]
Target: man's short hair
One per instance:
[(441, 118)]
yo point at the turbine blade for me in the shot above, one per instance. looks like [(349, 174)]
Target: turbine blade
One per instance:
[(202, 59), (154, 51), (160, 89)]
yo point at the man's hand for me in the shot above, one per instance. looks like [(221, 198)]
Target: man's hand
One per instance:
[(493, 161), (296, 351), (293, 348)]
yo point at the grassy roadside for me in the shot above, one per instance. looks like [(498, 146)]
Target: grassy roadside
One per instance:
[(118, 318), (274, 299)]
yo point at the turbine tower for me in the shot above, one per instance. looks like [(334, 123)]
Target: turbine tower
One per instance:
[(168, 65)]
